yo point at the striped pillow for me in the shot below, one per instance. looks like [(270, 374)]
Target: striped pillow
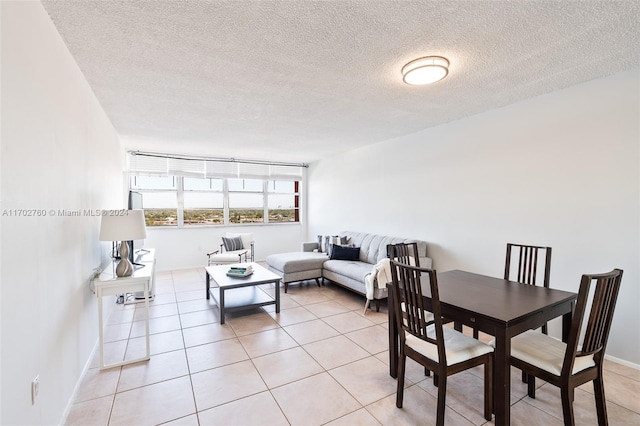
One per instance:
[(232, 243), (326, 242)]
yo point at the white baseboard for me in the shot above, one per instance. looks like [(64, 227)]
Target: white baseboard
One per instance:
[(67, 409), (622, 362)]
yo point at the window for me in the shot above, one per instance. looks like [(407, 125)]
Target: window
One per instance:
[(188, 201), (159, 199), (195, 191), (203, 201), (284, 204), (246, 200)]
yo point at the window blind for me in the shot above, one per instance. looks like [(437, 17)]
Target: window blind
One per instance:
[(187, 168), (146, 164)]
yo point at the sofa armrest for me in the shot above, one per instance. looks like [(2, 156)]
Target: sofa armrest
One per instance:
[(311, 246), (425, 262)]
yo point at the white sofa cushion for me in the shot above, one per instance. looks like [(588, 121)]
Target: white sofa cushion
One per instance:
[(373, 248)]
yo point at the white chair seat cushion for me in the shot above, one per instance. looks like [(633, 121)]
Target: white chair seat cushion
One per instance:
[(458, 347), (227, 256), (545, 352)]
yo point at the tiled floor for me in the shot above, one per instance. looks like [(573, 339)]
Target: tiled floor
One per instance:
[(319, 361)]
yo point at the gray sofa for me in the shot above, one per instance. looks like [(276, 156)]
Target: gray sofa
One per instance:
[(347, 273)]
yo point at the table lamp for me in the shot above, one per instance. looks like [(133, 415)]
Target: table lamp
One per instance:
[(123, 226)]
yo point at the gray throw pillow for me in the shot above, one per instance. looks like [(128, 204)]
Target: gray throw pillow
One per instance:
[(232, 243)]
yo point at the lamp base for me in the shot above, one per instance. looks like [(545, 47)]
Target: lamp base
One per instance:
[(124, 268)]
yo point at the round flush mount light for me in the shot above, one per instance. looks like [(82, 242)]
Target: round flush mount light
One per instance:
[(425, 70)]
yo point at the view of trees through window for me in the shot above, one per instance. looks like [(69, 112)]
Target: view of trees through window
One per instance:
[(178, 201)]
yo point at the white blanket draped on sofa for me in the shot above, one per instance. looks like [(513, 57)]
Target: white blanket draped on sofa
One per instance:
[(380, 275)]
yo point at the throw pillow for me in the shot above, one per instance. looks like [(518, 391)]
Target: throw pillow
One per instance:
[(337, 240), (247, 238), (232, 243), (330, 249), (345, 253), (325, 241), (322, 243)]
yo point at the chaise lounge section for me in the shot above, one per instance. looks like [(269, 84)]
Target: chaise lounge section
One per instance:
[(297, 266)]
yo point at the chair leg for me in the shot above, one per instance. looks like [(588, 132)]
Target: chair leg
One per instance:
[(366, 306), (377, 305), (427, 372), (286, 287), (402, 360), (531, 386), (488, 387), (566, 394), (601, 402), (318, 282), (524, 377), (442, 395), (435, 379)]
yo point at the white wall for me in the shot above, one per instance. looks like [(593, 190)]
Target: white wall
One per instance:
[(59, 151), (188, 247), (560, 170)]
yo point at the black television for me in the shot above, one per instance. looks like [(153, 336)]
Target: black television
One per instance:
[(135, 246)]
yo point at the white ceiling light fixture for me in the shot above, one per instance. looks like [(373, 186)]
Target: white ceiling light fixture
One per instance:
[(425, 70)]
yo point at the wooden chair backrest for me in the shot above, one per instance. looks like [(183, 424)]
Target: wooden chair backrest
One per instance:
[(528, 258), (404, 253), (407, 291), (600, 317)]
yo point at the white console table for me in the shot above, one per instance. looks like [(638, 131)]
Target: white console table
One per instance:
[(108, 284)]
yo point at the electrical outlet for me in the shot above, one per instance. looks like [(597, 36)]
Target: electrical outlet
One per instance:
[(35, 388)]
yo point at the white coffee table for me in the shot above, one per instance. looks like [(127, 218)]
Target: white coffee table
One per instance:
[(234, 293)]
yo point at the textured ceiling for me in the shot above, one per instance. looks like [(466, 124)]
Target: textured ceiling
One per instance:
[(297, 80)]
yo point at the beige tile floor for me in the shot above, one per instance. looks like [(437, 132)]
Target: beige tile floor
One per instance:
[(319, 361)]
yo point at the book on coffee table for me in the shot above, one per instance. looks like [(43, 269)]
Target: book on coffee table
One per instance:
[(240, 270)]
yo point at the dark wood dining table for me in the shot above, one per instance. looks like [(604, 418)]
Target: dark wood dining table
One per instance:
[(495, 306)]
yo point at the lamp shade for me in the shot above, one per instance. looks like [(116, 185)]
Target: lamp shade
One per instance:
[(129, 225)]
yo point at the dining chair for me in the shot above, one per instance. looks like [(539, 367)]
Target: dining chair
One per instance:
[(570, 365), (424, 339), (407, 253), (521, 265), (529, 259)]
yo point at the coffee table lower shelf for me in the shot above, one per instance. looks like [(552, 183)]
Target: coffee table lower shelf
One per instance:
[(234, 293), (240, 298)]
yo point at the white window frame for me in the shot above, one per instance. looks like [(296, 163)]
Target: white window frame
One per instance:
[(180, 191)]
